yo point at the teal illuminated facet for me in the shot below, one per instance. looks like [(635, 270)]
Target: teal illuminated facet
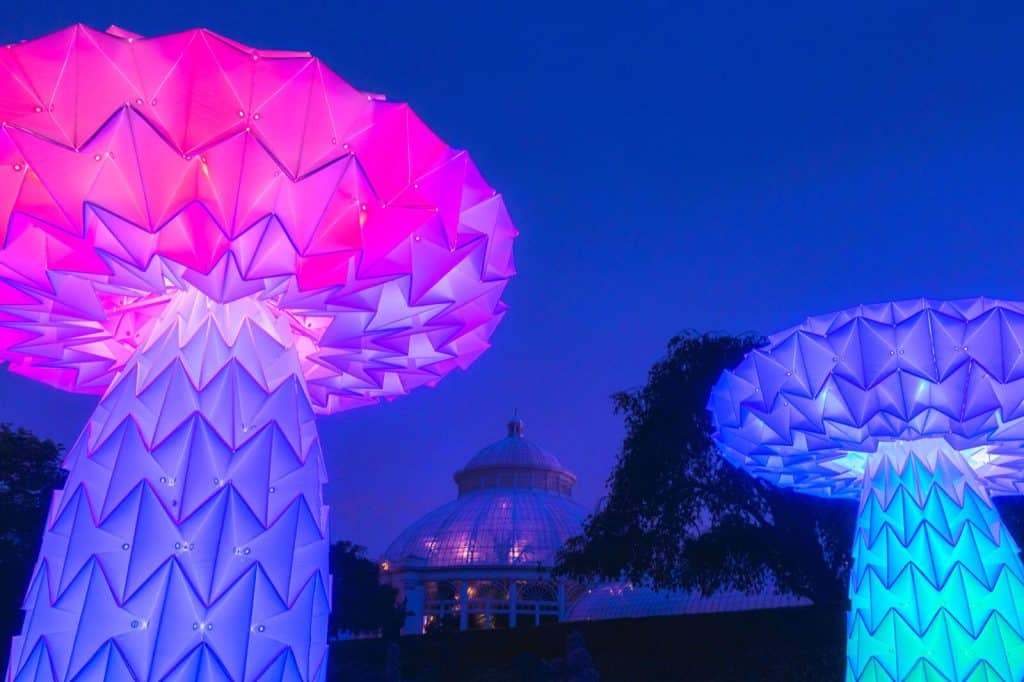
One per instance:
[(937, 587), (916, 408)]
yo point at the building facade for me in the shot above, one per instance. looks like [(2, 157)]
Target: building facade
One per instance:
[(485, 559)]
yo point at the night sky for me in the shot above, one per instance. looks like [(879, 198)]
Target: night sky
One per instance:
[(712, 165)]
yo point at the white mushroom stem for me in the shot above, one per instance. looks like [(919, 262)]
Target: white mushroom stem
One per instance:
[(937, 586)]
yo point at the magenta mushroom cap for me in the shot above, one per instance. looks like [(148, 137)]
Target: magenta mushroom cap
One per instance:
[(144, 167)]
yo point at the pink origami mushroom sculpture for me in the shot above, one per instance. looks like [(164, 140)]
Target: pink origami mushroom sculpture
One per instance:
[(222, 243)]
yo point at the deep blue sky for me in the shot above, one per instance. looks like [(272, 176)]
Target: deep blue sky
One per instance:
[(670, 165)]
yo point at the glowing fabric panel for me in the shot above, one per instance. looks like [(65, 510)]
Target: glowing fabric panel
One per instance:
[(804, 410), (191, 534), (132, 168), (937, 588), (917, 408), (222, 242)]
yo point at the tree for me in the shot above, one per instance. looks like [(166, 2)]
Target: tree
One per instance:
[(29, 472), (679, 516), (1011, 513), (362, 605)]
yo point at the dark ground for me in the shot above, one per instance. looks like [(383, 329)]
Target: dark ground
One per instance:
[(805, 643)]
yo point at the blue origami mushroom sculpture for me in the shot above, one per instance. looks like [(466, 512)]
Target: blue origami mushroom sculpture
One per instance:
[(916, 409)]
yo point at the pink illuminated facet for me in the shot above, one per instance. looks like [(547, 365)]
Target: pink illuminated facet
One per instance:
[(221, 242), (192, 161)]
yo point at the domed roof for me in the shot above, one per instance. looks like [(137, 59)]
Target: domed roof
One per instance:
[(515, 461), (492, 527), (515, 450), (513, 508)]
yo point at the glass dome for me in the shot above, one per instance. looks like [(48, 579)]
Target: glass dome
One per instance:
[(494, 526), (514, 508), (515, 461)]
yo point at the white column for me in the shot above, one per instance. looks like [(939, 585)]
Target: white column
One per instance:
[(415, 606), (464, 605), (513, 602)]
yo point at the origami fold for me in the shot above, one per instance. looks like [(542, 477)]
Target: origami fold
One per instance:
[(222, 242), (916, 409)]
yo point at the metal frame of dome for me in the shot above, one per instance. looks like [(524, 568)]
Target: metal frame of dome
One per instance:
[(515, 462), (494, 527), (484, 559)]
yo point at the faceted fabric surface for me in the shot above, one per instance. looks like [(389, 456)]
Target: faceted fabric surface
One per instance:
[(134, 168), (916, 408), (805, 410), (937, 587), (190, 541)]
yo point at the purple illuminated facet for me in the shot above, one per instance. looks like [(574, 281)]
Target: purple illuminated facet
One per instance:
[(193, 514), (221, 242), (916, 409)]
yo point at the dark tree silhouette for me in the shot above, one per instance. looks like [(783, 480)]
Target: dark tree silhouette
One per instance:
[(362, 605), (677, 515), (1011, 512), (29, 472)]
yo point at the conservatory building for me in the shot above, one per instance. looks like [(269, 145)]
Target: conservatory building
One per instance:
[(484, 560)]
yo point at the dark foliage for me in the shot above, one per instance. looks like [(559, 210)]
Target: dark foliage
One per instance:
[(679, 516), (29, 472), (576, 666), (447, 623), (1011, 512), (362, 605), (805, 643)]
